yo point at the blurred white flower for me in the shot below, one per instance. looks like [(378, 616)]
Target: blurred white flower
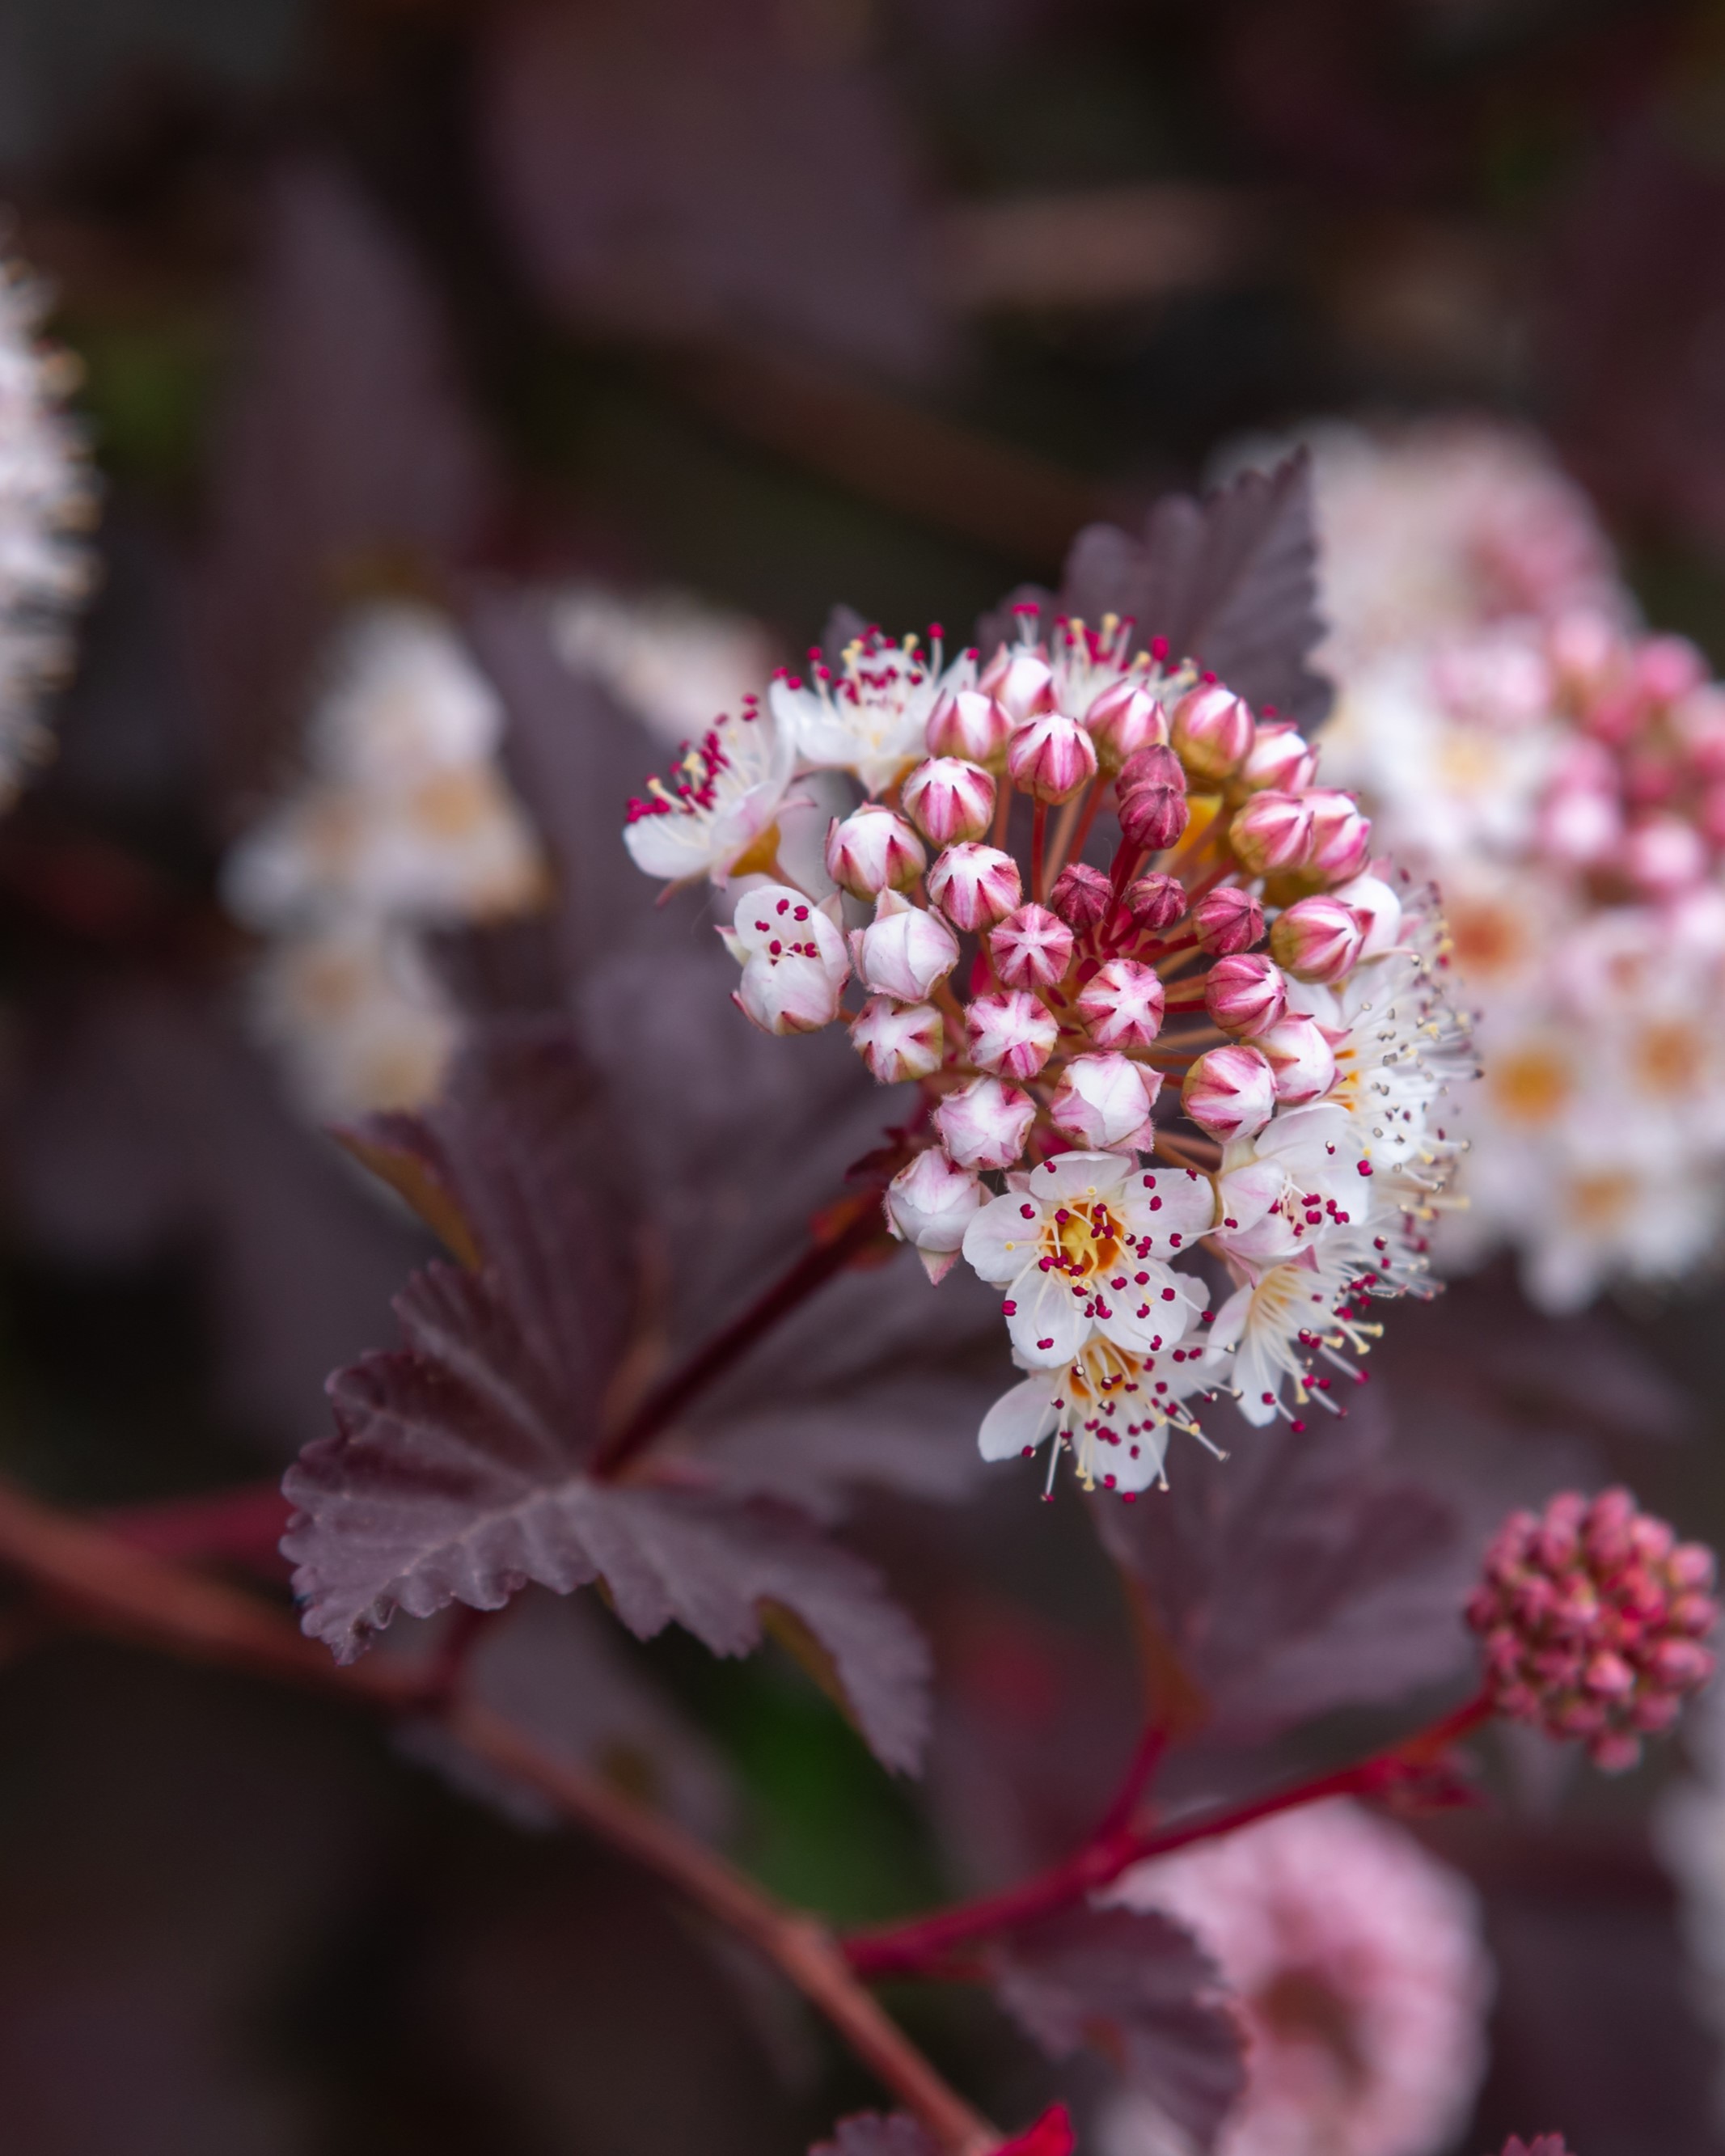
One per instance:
[(1359, 1970), (402, 822), (47, 504), (671, 660)]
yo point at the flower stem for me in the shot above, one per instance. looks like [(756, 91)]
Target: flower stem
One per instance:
[(109, 1586), (1039, 860)]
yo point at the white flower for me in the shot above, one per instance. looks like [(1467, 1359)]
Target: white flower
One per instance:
[(670, 658), (47, 504), (1103, 1102), (906, 950), (1298, 1180), (1115, 1410), (401, 701), (717, 814), (930, 1204), (360, 1020), (1080, 1243), (871, 718), (1360, 1972), (793, 963), (1282, 1317)]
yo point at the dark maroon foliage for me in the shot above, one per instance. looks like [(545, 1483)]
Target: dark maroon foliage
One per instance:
[(1135, 1987)]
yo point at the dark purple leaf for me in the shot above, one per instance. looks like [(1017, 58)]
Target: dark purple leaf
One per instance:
[(1138, 1988), (1231, 582), (1297, 1577), (870, 2133), (347, 446), (673, 171)]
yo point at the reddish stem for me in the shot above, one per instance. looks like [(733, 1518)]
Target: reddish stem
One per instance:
[(245, 1524), (813, 1269), (1038, 848), (923, 1944)]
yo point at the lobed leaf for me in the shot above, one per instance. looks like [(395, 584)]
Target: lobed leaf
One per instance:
[(1301, 1577), (1137, 1988)]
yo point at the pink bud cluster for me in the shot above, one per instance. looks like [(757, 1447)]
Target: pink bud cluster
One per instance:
[(1593, 1616), (1096, 907)]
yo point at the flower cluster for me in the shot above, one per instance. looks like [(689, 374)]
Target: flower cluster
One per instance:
[(1226, 1035), (47, 503), (1593, 1617), (1360, 1974), (403, 824)]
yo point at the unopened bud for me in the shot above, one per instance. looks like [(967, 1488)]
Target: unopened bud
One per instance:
[(1011, 1035), (1104, 1101), (1082, 896), (1371, 895), (1156, 903), (1213, 731), (1155, 766), (905, 951), (1230, 1092), (1122, 1005), (898, 1041), (1667, 667), (1125, 719), (1052, 756), (1152, 816), (967, 723), (1021, 680), (1319, 939), (1272, 833), (930, 1204), (1227, 920), (1245, 994), (873, 849), (1280, 756), (1031, 948), (949, 800), (1301, 1058), (985, 1123), (1341, 835), (975, 885)]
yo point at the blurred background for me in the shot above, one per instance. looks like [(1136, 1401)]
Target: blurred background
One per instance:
[(737, 308)]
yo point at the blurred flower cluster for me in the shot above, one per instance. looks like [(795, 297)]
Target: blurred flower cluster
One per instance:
[(402, 824), (1559, 773)]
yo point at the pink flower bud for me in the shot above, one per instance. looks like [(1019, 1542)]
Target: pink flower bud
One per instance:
[(793, 963), (974, 886), (1082, 896), (1123, 719), (1104, 1101), (1371, 895), (929, 1205), (898, 1040), (1245, 994), (1156, 903), (1280, 756), (1012, 1034), (1341, 836), (985, 1123), (1122, 1005), (968, 724), (873, 849), (1301, 1058), (905, 951), (949, 800), (1031, 948), (1212, 730), (1230, 1092), (1272, 833), (1051, 757), (1319, 939), (1154, 766), (1021, 680), (1663, 855), (1152, 816), (1227, 920), (1667, 667)]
